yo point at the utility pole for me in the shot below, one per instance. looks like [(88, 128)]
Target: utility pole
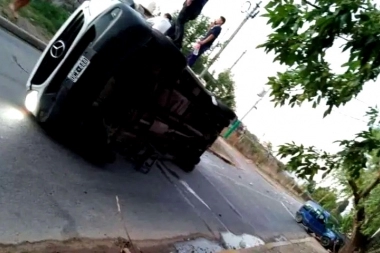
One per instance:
[(250, 14), (237, 122), (241, 56)]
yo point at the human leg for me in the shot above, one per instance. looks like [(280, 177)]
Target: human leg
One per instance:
[(16, 5), (182, 19), (192, 58)]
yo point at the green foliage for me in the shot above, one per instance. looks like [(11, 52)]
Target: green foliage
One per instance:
[(223, 87), (341, 206), (346, 222), (356, 171), (46, 15), (311, 186), (306, 162), (302, 34), (326, 197), (372, 207)]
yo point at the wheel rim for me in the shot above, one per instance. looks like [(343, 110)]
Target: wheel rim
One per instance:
[(325, 241), (298, 217)]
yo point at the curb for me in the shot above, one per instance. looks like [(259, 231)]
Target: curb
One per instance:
[(22, 34), (222, 157), (271, 245)]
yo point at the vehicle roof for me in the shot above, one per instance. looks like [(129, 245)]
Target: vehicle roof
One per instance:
[(318, 206)]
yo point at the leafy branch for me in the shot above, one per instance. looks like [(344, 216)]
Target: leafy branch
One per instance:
[(304, 50)]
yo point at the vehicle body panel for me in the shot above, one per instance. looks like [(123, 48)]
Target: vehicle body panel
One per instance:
[(136, 76), (316, 219)]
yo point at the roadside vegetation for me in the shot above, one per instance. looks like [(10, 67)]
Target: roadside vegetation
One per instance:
[(45, 15), (301, 35)]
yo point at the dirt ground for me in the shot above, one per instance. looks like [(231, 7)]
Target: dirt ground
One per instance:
[(107, 245), (84, 245), (23, 23), (225, 151), (311, 246)]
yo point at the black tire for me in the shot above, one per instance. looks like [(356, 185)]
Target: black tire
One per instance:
[(189, 165), (325, 241), (298, 218)]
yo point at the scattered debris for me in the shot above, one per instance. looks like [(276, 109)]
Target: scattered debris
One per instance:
[(232, 241), (125, 250), (199, 245), (281, 238)]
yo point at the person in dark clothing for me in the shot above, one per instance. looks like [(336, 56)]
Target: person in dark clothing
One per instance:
[(190, 11), (206, 43)]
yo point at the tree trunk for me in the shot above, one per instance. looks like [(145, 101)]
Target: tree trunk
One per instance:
[(358, 239)]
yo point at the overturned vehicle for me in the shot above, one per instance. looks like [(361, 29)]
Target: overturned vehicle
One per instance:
[(124, 88)]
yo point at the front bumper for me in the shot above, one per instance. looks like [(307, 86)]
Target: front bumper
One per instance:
[(104, 41)]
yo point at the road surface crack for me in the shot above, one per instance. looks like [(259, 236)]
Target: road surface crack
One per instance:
[(18, 64)]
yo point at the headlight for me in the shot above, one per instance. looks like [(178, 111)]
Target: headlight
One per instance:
[(214, 101), (31, 100)]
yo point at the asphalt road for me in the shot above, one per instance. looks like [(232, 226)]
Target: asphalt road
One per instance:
[(49, 192)]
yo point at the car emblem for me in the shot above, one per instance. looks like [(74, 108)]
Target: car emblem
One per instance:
[(57, 49)]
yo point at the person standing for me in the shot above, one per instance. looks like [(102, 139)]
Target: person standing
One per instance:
[(16, 5), (161, 23), (206, 43), (190, 11)]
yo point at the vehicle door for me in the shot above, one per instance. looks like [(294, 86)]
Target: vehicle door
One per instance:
[(307, 215), (318, 224)]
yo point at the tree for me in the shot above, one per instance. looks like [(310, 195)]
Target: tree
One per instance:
[(311, 186), (302, 33), (362, 178), (223, 87), (341, 207), (326, 197)]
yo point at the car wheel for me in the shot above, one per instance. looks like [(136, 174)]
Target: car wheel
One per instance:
[(325, 241), (189, 165), (298, 218)]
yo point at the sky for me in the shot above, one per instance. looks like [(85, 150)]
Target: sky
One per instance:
[(303, 125)]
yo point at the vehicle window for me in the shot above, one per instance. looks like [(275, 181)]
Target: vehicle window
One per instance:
[(308, 207), (316, 213), (321, 218)]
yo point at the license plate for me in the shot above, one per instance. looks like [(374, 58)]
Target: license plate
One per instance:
[(78, 69)]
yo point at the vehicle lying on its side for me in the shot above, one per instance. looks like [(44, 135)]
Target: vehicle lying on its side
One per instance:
[(318, 221), (124, 88)]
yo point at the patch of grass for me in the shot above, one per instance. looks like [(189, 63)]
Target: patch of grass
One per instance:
[(45, 15)]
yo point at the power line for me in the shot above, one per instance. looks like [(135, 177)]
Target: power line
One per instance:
[(349, 116), (236, 62)]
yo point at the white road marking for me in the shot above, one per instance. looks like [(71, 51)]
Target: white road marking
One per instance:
[(292, 215), (118, 204), (187, 186), (248, 187)]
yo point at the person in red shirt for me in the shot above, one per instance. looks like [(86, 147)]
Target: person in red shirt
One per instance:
[(205, 44)]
